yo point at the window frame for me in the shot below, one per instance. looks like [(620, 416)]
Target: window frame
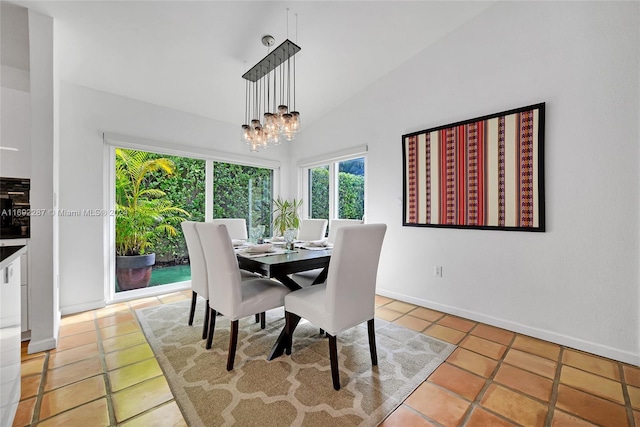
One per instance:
[(111, 141), (332, 160)]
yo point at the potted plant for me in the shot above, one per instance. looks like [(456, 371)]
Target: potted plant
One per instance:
[(285, 215), (141, 212)]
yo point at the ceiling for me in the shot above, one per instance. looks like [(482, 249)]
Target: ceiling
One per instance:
[(190, 55)]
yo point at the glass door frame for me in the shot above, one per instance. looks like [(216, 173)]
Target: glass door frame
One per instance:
[(113, 141)]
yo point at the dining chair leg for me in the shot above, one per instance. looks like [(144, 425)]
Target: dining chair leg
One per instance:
[(333, 357), (257, 317), (212, 326), (321, 331), (291, 321), (205, 324), (372, 342), (263, 320), (233, 342), (194, 298)]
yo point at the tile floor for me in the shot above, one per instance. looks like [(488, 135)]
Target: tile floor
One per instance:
[(103, 373)]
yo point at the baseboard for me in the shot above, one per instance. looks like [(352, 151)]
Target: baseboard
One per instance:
[(78, 308), (150, 292), (42, 345), (554, 337)]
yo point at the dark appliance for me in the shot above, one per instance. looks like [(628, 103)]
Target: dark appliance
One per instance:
[(15, 208)]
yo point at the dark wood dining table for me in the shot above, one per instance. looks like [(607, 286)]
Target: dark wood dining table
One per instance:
[(280, 266)]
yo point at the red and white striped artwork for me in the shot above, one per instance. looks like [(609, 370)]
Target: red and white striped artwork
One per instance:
[(481, 173)]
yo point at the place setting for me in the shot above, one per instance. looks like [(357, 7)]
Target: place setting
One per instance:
[(260, 249), (315, 245), (258, 246)]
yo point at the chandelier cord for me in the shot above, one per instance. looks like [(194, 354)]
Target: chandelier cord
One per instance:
[(289, 81), (294, 68), (268, 98), (255, 103), (281, 84)]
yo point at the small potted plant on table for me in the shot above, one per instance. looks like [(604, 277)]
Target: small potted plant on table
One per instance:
[(286, 217)]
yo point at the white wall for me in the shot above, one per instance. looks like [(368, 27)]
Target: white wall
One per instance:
[(84, 113), (577, 283), (44, 313)]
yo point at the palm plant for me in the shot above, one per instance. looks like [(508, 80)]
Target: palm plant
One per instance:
[(142, 212), (285, 214)]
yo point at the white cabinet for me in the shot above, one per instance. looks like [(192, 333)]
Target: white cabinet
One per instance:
[(24, 285), (15, 132), (9, 337)]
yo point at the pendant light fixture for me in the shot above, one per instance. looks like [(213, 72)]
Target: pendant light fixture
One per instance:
[(271, 82)]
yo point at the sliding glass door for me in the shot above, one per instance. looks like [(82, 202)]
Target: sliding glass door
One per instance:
[(155, 192), (243, 192)]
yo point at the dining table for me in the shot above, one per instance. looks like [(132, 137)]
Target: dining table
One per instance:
[(280, 264)]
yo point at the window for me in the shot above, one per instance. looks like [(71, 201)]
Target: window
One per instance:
[(318, 194), (243, 192), (351, 189), (205, 185), (335, 188)]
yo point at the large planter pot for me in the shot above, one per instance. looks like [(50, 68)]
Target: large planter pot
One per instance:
[(134, 272)]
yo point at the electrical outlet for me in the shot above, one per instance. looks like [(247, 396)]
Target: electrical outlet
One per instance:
[(437, 271)]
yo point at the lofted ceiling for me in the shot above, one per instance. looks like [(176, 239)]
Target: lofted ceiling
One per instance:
[(190, 55)]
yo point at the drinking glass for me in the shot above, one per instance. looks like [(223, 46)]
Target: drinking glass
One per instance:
[(289, 236), (256, 234)]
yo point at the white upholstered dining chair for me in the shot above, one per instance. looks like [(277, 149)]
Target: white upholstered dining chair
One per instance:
[(228, 294), (306, 278), (347, 298), (199, 285), (237, 227), (312, 229), (336, 224)]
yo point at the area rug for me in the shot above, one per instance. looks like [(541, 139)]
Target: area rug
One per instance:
[(293, 390)]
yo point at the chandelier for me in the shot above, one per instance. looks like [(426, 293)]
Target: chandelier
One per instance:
[(271, 82)]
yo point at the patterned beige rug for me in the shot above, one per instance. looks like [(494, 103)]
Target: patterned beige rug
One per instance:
[(291, 390)]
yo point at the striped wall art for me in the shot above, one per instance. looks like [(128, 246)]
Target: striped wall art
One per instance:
[(484, 173)]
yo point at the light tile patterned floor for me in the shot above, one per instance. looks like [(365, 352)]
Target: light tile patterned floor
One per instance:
[(103, 373)]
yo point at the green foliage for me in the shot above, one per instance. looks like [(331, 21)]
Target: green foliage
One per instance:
[(286, 214), (350, 194), (320, 192), (354, 166), (141, 211), (186, 187), (243, 192), (233, 186), (239, 192)]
